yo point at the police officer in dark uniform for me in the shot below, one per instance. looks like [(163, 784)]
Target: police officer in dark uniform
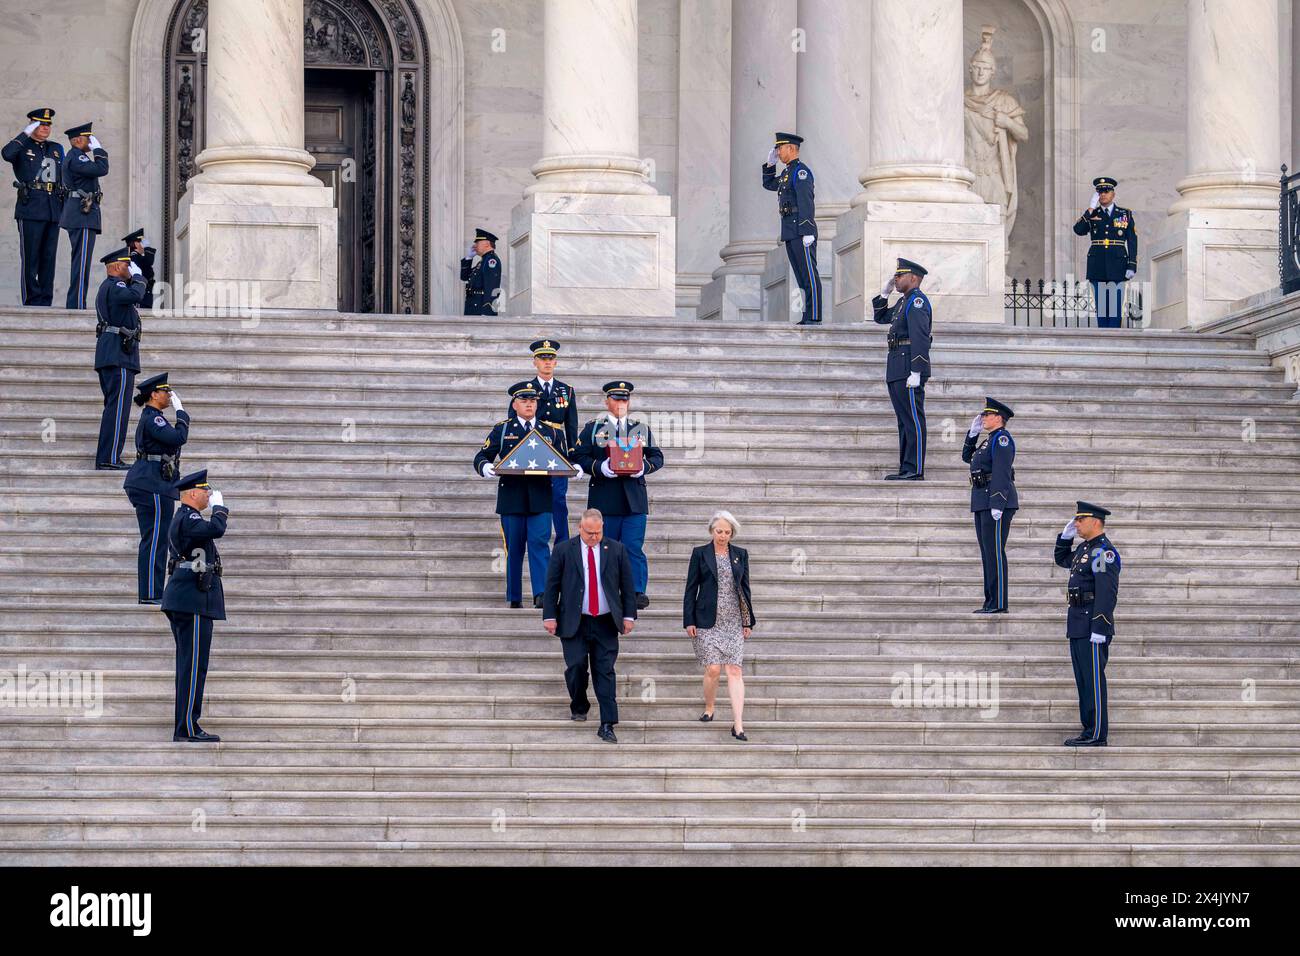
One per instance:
[(1112, 256), (1090, 621), (907, 367), (557, 404), (621, 499), (523, 501), (194, 598), (151, 483), (794, 198), (117, 351), (38, 177), (143, 254), (482, 278), (993, 499), (83, 167)]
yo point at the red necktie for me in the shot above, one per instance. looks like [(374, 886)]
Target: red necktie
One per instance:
[(593, 595)]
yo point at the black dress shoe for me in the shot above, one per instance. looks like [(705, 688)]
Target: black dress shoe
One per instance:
[(606, 733), (1082, 741), (149, 602), (980, 610), (706, 718), (516, 603), (809, 322), (199, 737), (537, 600), (992, 610), (903, 476), (642, 602), (577, 716), (738, 736), (112, 467), (916, 477)]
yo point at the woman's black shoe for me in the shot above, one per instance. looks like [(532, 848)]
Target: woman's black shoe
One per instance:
[(738, 736), (706, 718)]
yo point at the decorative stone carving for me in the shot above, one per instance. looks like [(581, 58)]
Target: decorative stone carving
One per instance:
[(184, 129), (995, 128), (406, 276)]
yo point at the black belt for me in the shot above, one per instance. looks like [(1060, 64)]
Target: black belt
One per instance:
[(1079, 598), (154, 457), (979, 479), (42, 187), (898, 343)]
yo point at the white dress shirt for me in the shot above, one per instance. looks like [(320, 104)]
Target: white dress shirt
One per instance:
[(587, 555)]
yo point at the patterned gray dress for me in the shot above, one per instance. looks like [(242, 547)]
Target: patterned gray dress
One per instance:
[(724, 643)]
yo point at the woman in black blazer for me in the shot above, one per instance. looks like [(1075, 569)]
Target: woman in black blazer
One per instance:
[(718, 614)]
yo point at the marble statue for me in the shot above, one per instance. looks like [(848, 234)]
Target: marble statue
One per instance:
[(995, 128)]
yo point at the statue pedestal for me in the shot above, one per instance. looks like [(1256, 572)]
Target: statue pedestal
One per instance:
[(1204, 260)]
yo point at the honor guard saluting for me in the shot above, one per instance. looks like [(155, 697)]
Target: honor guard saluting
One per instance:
[(993, 498), (794, 200), (557, 404), (523, 501), (151, 483), (194, 598), (1112, 256), (482, 278), (38, 177), (907, 367), (142, 254), (83, 167), (620, 498), (117, 351), (1090, 621)]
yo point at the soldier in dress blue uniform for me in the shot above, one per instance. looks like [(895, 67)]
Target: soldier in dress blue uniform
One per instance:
[(38, 177), (194, 598), (523, 501), (794, 198), (993, 499), (482, 278), (907, 367), (622, 499), (1090, 621), (151, 483), (1112, 256), (557, 404), (143, 254), (117, 351), (83, 167)]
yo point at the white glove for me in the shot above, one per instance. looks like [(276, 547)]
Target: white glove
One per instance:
[(809, 240), (216, 501), (1096, 201), (976, 425), (1098, 638), (176, 402), (606, 470), (996, 513), (94, 143), (469, 253), (489, 471), (30, 128), (134, 269), (144, 243), (1129, 273), (640, 473), (771, 156), (888, 288), (914, 380), (1071, 530)]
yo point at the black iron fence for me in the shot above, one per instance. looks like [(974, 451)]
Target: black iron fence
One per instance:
[(1067, 304), (1288, 232)]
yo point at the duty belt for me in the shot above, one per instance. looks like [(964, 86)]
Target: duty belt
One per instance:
[(979, 479), (80, 194), (898, 343), (189, 566), (1077, 598), (154, 457), (118, 330), (1110, 242), (39, 187)]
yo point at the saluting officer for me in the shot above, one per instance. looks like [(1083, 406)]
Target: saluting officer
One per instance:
[(993, 499), (523, 501), (482, 278), (1092, 592), (622, 499), (83, 167), (194, 597), (143, 254), (151, 483), (117, 351), (1112, 256), (907, 367), (557, 404), (794, 200), (38, 174)]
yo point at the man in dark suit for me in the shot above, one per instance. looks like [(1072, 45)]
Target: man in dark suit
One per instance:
[(589, 600)]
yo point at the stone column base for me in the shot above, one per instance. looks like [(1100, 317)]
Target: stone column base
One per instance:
[(961, 244), (592, 254), (268, 246), (732, 297), (781, 301), (1204, 260)]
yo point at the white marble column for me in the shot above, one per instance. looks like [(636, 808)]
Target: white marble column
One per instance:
[(592, 202), (763, 77), (254, 217), (1219, 243), (916, 200), (831, 110)]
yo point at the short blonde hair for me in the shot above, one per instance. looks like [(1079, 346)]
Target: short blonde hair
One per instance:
[(728, 517)]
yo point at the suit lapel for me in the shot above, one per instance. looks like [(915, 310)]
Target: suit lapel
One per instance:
[(711, 558)]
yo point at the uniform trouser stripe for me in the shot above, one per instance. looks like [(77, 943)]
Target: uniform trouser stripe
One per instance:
[(117, 420), (916, 425), (997, 557), (22, 260), (194, 675), (812, 280), (1096, 691), (153, 543)]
